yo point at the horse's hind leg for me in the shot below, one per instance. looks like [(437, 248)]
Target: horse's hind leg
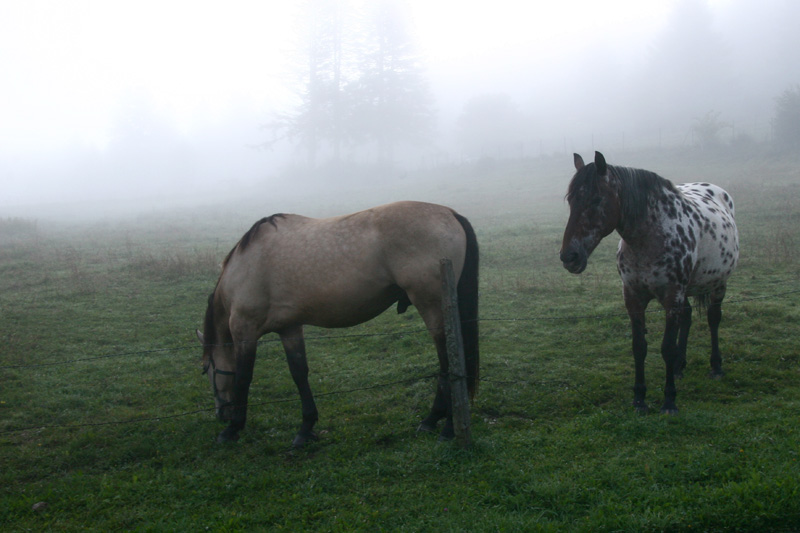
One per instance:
[(683, 338), (295, 347), (714, 318), (430, 308), (441, 403)]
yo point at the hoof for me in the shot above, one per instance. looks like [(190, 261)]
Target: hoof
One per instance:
[(641, 408), (716, 374), (448, 433), (669, 410), (446, 438), (425, 427), (301, 440), (228, 436)]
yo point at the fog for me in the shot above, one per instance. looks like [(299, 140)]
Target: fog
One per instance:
[(157, 104)]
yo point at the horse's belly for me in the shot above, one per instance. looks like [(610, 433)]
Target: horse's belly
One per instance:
[(345, 314), (712, 271), (333, 308)]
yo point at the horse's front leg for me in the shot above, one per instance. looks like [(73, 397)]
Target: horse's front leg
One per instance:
[(245, 354), (636, 306), (670, 352), (295, 347)]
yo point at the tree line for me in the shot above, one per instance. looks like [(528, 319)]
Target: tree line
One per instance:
[(362, 87), (361, 83)]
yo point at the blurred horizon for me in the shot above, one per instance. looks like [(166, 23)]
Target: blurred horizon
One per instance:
[(174, 102)]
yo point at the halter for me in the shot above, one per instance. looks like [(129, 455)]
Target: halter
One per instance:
[(221, 403)]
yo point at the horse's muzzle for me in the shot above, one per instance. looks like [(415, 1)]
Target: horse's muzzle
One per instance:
[(574, 259)]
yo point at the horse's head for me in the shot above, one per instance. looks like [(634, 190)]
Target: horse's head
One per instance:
[(219, 364), (594, 212)]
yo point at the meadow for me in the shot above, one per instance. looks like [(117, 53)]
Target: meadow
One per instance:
[(106, 422)]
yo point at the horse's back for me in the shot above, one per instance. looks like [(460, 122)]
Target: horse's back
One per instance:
[(416, 235), (382, 238), (709, 195), (342, 270)]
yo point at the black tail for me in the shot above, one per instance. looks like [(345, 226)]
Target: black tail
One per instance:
[(468, 306)]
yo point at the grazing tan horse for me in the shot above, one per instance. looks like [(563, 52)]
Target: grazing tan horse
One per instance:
[(291, 270)]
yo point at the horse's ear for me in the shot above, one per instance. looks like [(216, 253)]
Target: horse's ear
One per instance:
[(200, 336), (578, 161), (600, 163)]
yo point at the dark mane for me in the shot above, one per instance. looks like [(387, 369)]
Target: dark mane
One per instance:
[(244, 242), (584, 180), (637, 188), (209, 329)]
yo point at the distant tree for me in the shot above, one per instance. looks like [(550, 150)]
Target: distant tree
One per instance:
[(361, 81), (765, 47), (687, 70), (786, 122), (392, 102), (490, 125), (322, 113), (707, 129)]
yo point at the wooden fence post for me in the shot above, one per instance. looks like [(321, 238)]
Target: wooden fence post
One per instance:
[(455, 354)]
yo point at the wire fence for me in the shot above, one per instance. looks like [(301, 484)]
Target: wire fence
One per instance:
[(541, 318), (295, 398)]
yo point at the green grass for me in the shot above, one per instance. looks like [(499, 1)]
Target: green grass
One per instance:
[(121, 435)]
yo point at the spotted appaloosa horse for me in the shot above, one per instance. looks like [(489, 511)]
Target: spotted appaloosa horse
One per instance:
[(677, 242), (291, 270)]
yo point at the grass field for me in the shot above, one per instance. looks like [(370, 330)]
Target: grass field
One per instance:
[(106, 422)]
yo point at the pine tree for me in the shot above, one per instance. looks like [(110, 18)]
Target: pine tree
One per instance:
[(392, 101), (319, 119), (361, 83), (687, 72), (786, 122)]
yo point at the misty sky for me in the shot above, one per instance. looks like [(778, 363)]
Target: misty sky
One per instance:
[(68, 67), (72, 71)]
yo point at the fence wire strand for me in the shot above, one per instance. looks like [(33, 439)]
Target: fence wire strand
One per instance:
[(159, 418), (565, 318)]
